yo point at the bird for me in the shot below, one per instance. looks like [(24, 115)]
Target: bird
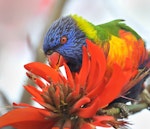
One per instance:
[(121, 44)]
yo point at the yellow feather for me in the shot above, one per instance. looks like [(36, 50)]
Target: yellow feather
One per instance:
[(86, 27), (119, 51)]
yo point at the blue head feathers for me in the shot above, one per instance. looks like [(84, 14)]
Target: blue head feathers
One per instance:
[(67, 39)]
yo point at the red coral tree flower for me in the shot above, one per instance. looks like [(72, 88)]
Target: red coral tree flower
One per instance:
[(69, 102)]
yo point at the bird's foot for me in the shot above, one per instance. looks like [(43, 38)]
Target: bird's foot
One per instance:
[(119, 110), (124, 111)]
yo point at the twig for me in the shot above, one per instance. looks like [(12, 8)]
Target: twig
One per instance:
[(40, 57), (144, 103), (113, 111)]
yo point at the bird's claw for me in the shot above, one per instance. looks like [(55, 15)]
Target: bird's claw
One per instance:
[(119, 110), (124, 111)]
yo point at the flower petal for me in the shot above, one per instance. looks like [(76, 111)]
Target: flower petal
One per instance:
[(102, 120), (34, 92), (44, 71), (69, 76), (90, 110), (84, 71), (26, 118), (40, 83), (98, 54), (108, 121), (81, 102), (98, 63), (117, 81)]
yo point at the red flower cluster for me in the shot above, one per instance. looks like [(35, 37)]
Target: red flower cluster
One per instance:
[(70, 102)]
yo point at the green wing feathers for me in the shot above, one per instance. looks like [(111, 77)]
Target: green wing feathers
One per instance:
[(101, 34), (114, 26)]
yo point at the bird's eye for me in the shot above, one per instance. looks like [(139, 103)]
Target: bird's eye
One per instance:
[(63, 39)]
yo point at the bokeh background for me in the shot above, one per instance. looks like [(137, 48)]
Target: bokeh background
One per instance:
[(23, 24)]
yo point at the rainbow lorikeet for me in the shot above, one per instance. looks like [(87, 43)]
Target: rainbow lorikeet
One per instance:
[(120, 43)]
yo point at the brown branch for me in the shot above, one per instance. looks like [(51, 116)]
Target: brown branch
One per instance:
[(58, 7), (115, 111), (143, 103)]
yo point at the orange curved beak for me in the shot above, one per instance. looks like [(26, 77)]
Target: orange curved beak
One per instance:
[(56, 60)]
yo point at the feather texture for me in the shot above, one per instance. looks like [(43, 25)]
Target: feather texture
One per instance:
[(120, 44)]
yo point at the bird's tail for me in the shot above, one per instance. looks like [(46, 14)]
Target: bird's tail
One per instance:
[(136, 85)]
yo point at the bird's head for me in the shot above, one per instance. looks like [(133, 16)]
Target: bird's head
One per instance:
[(63, 42)]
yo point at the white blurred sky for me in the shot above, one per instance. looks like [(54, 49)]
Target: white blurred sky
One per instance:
[(19, 18)]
